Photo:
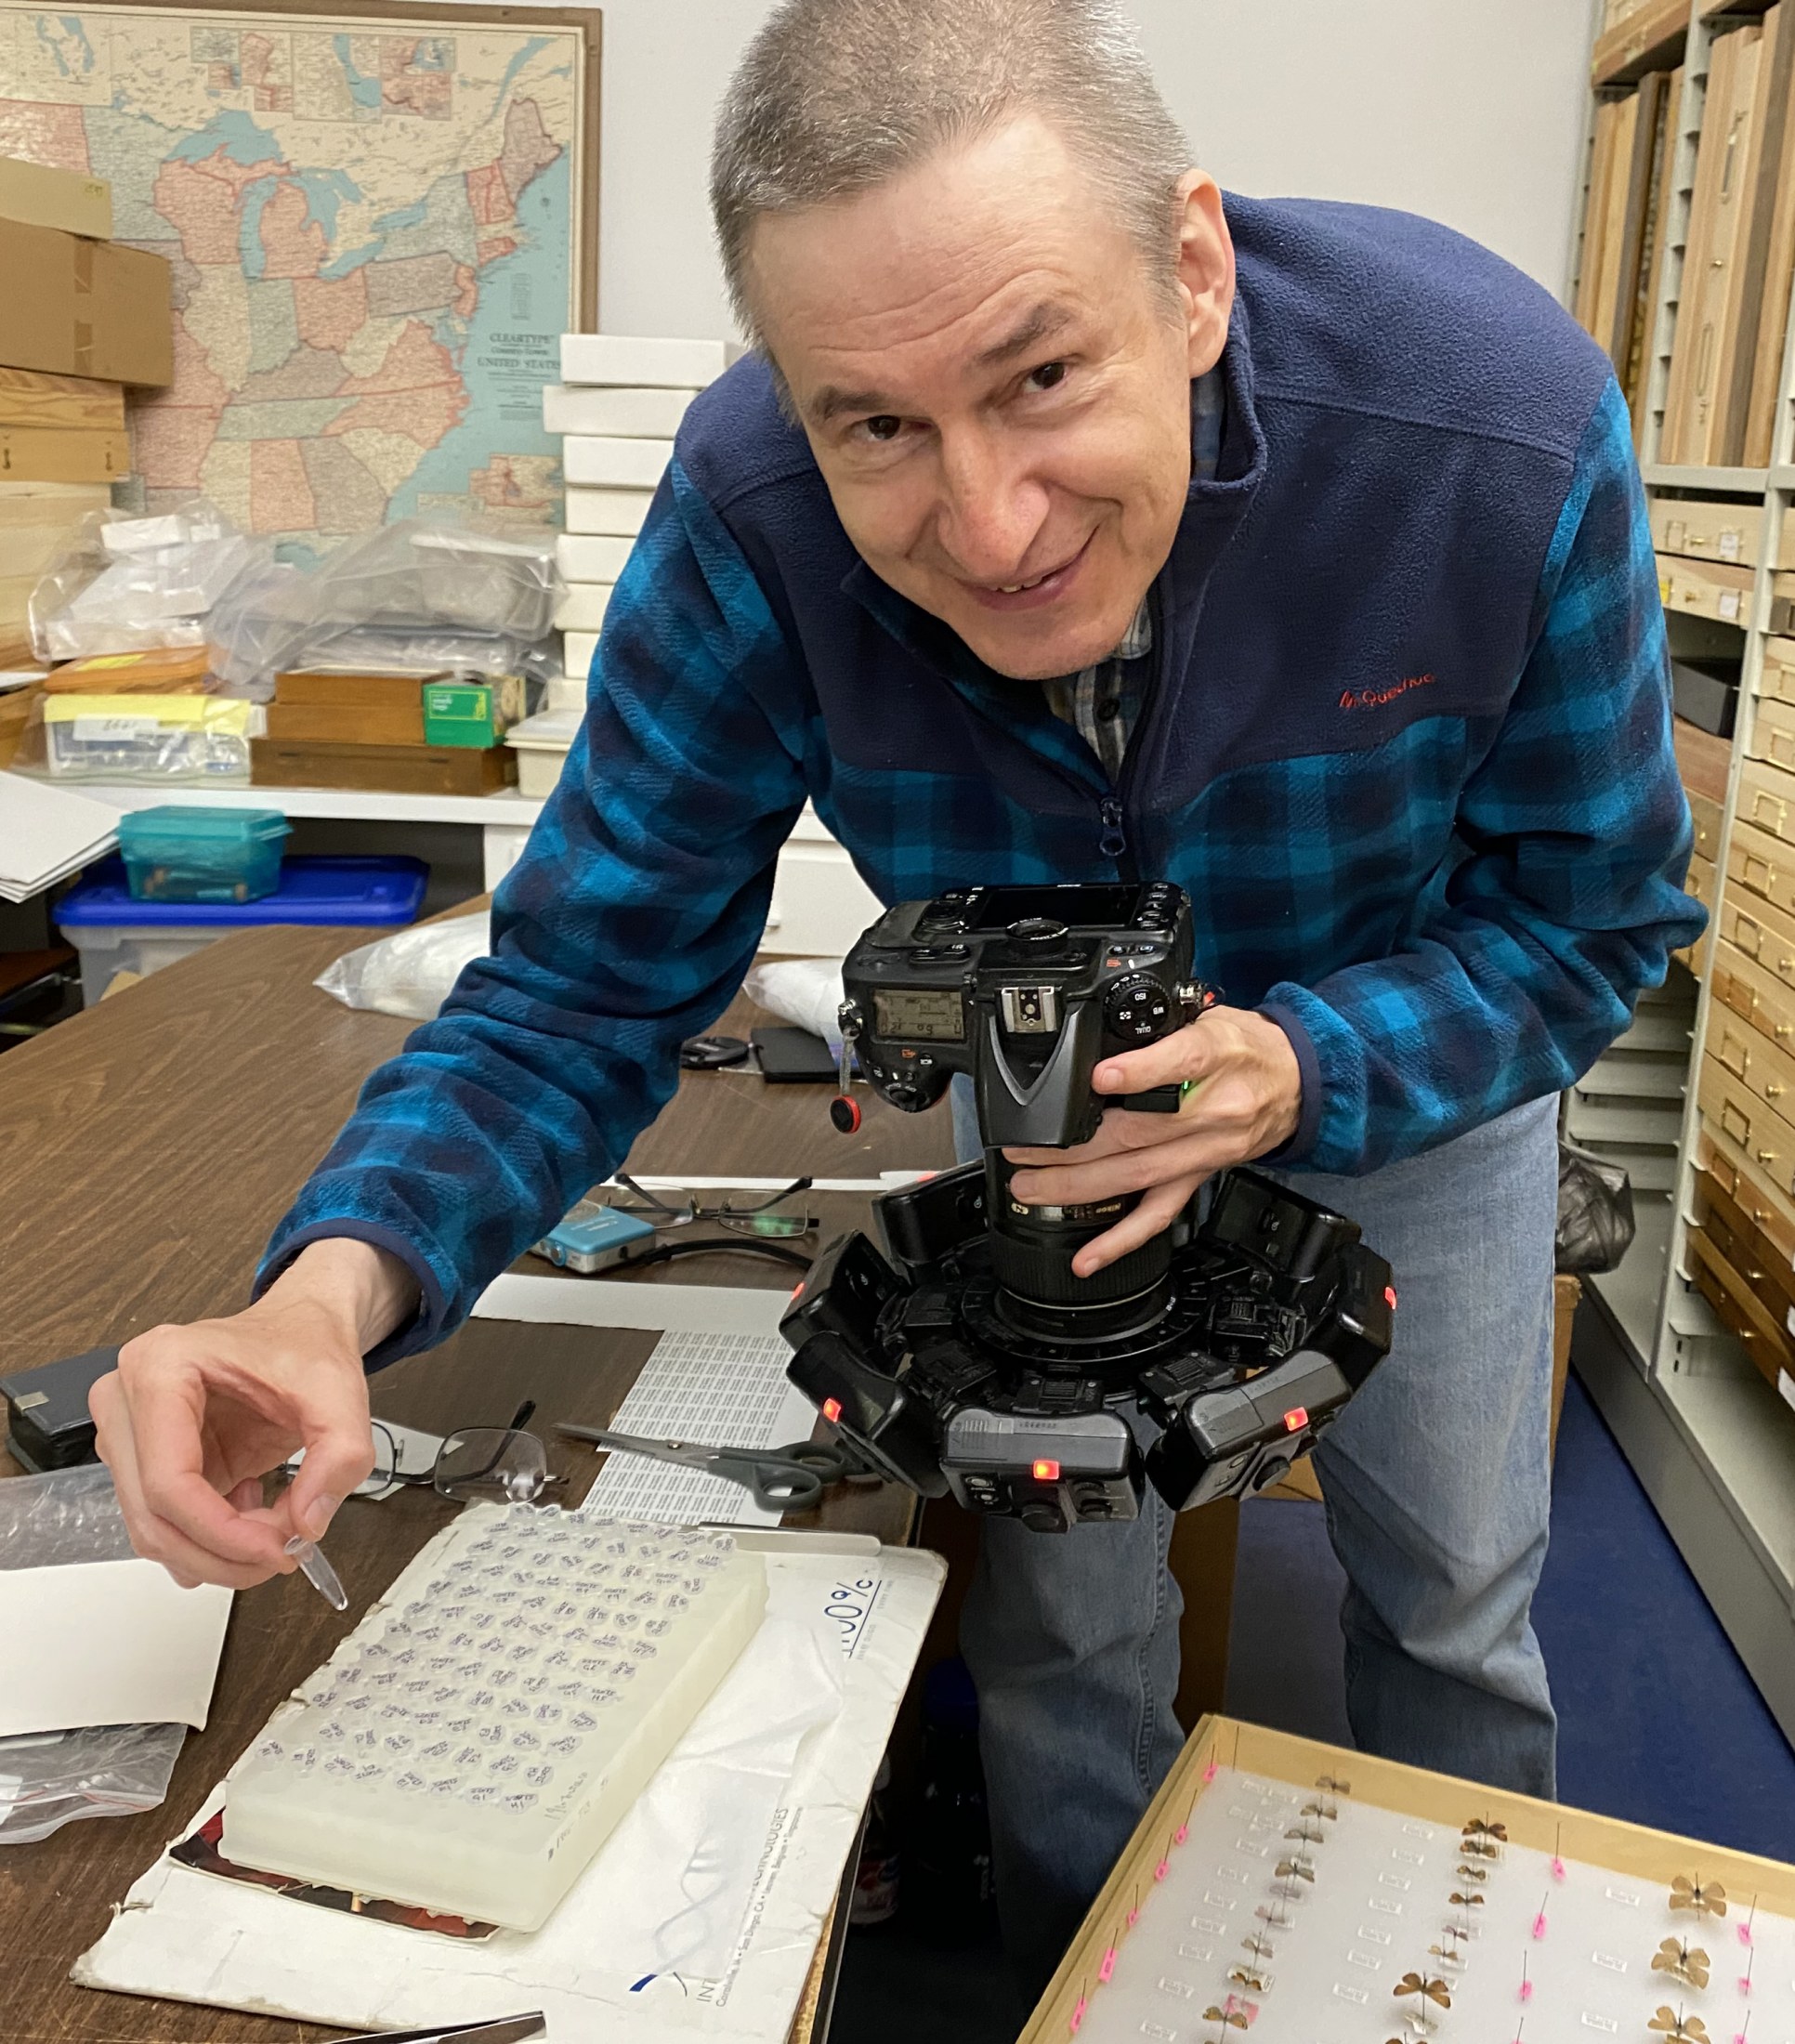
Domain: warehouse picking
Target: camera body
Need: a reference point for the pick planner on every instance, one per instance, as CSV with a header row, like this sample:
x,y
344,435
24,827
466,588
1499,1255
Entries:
x,y
961,1353
1025,989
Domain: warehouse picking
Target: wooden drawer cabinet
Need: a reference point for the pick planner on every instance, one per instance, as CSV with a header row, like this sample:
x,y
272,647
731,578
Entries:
x,y
1763,865
1755,993
1771,1213
1767,799
1767,1344
1706,814
1773,734
1765,1268
1758,1061
1743,1122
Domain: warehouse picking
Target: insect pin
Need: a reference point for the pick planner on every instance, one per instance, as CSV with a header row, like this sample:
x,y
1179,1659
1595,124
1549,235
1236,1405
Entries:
x,y
1705,1898
1684,1962
1677,2029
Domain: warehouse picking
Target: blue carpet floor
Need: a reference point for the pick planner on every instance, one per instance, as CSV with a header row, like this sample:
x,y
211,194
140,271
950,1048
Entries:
x,y
1658,1722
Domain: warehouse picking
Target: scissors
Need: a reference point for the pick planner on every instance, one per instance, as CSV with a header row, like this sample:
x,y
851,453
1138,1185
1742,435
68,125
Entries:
x,y
779,1480
511,2030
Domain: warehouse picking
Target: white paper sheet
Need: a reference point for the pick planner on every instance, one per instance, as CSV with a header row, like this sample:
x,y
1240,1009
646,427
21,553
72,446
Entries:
x,y
120,1642
725,1389
47,833
191,1936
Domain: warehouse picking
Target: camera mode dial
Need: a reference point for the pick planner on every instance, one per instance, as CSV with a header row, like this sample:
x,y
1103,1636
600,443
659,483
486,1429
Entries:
x,y
1138,1009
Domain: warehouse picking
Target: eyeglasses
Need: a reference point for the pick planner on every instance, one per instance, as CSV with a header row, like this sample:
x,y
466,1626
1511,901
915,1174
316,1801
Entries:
x,y
477,1465
755,1219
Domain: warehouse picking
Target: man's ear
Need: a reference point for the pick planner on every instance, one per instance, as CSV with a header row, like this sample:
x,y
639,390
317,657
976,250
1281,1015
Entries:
x,y
1205,269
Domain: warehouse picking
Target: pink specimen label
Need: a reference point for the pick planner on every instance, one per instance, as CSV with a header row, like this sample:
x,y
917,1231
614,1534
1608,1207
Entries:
x,y
1107,1970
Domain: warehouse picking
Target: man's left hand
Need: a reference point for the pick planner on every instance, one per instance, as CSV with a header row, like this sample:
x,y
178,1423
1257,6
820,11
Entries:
x,y
1245,1098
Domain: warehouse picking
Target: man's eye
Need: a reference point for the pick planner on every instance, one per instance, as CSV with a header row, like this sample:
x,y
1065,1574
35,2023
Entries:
x,y
886,426
1047,376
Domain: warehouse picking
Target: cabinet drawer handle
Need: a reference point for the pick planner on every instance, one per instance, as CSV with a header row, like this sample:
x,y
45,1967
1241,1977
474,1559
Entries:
x,y
1735,1123
1772,1091
1769,810
1747,935
1758,873
1733,1054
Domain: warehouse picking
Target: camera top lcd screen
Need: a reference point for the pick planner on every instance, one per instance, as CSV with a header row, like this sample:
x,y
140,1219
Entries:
x,y
920,1013
1103,908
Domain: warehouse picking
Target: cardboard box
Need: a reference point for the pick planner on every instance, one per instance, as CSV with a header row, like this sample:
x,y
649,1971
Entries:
x,y
35,195
79,307
628,359
62,404
590,460
348,690
635,413
342,724
622,513
583,607
471,712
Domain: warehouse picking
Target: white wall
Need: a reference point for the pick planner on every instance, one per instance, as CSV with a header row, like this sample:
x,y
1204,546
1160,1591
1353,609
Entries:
x,y
1471,110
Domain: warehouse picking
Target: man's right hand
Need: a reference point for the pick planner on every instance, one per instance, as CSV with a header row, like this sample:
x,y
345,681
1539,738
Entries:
x,y
195,1417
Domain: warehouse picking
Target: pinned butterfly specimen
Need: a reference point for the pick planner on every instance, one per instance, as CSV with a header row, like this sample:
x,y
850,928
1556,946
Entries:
x,y
1300,1869
1332,1785
1328,1811
1255,1977
1706,1898
1467,1902
1469,1872
1448,1955
1260,1948
1234,2014
1677,2029
1435,1991
1684,1962
1483,1827
1310,1834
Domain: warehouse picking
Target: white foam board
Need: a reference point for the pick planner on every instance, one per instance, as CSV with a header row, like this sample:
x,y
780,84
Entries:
x,y
582,607
591,557
577,648
636,412
614,464
618,512
625,359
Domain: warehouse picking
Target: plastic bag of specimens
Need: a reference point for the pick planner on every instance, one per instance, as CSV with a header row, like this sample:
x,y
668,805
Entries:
x,y
469,1747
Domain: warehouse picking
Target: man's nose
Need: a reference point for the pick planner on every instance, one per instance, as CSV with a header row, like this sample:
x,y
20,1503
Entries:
x,y
991,508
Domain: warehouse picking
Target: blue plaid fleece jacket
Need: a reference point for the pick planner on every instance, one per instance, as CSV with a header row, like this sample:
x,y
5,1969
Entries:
x,y
1406,744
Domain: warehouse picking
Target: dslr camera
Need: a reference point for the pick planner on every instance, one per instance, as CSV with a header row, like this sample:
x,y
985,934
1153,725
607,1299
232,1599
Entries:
x,y
960,1353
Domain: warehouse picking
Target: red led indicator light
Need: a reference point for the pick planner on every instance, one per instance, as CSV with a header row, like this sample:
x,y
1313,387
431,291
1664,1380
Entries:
x,y
1390,1297
832,1409
1046,1472
1296,1419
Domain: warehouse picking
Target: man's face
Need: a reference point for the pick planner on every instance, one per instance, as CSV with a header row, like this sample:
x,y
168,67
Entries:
x,y
997,392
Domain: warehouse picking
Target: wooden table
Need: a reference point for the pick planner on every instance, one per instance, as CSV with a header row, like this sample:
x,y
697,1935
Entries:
x,y
148,1148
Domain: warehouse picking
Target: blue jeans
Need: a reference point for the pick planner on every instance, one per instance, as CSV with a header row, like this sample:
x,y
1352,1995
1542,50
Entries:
x,y
1438,1489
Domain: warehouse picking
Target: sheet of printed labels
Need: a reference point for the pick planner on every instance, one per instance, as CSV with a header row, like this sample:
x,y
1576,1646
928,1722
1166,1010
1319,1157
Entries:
x,y
1299,1913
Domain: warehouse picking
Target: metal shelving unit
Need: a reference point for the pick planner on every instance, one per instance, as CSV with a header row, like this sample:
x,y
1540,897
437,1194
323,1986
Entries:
x,y
1709,1436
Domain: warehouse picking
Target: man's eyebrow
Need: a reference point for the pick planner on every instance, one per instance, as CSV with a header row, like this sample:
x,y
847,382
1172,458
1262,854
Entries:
x,y
1046,319
1041,325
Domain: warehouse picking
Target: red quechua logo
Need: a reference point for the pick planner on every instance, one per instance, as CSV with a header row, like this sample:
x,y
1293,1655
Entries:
x,y
1373,699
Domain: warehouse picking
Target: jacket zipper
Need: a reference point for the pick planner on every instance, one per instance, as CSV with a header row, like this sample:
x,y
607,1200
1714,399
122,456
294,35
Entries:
x,y
1113,843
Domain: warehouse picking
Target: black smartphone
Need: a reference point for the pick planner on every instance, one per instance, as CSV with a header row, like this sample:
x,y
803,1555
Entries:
x,y
793,1058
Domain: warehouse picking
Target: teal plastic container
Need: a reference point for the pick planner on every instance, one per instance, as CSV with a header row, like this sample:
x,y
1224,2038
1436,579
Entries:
x,y
177,854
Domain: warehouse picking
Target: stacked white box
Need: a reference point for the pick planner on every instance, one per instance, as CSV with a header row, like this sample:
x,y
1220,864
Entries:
x,y
617,408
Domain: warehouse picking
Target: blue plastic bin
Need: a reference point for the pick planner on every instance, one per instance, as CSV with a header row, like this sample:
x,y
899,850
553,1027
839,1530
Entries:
x,y
115,932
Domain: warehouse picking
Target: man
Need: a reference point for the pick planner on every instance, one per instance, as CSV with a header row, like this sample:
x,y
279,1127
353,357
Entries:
x,y
1072,524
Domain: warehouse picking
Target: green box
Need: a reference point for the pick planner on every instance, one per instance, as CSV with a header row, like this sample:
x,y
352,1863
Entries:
x,y
476,714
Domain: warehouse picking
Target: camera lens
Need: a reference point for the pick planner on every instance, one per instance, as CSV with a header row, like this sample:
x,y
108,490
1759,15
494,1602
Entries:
x,y
1032,1250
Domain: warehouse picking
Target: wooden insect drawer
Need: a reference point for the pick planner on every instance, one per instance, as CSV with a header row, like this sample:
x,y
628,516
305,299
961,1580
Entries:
x,y
1755,995
1765,1269
1772,736
1758,866
1303,1894
1772,1212
1757,1061
1738,1119
1738,1308
1767,799
1705,813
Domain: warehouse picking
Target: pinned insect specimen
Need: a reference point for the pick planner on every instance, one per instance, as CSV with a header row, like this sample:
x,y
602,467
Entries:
x,y
1435,1991
1686,1962
1309,1833
1259,1948
1334,1786
1469,1872
1328,1811
1255,1977
1233,2014
1300,1869
1484,1828
1677,2029
1450,1953
1705,1898
1275,1913
1467,1902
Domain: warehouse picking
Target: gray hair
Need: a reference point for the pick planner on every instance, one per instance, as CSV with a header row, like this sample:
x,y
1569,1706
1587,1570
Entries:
x,y
836,96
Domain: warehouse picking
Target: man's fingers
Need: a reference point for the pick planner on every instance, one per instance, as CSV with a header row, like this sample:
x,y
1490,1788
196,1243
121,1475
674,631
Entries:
x,y
339,1451
154,1538
1156,1210
1194,1154
1188,1052
164,1418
